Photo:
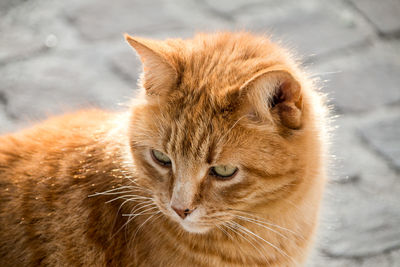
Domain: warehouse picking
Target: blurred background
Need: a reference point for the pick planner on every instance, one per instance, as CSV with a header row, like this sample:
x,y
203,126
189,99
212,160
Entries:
x,y
58,56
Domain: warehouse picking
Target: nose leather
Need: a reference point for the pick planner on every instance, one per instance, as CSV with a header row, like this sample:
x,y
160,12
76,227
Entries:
x,y
183,213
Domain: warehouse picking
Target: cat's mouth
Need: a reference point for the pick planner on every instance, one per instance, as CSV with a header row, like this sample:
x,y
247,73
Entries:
x,y
192,223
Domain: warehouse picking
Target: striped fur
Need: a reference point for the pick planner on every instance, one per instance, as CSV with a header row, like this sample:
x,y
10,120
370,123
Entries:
x,y
83,189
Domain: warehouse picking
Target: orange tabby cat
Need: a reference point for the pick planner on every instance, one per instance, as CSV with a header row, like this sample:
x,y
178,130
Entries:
x,y
219,162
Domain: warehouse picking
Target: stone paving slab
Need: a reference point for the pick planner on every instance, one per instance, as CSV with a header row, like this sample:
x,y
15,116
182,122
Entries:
x,y
363,79
52,84
312,27
6,122
384,137
14,44
34,28
126,64
364,213
123,16
383,14
150,18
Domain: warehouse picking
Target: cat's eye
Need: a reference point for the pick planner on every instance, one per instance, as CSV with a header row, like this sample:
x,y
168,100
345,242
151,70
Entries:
x,y
160,158
223,171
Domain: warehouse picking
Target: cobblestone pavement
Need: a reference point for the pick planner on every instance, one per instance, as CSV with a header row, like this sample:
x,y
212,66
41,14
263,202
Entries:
x,y
57,56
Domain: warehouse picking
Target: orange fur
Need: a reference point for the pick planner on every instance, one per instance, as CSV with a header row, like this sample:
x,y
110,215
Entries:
x,y
225,98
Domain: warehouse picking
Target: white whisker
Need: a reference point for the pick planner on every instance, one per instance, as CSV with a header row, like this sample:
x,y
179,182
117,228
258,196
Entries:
x,y
123,203
244,237
267,242
225,232
129,220
140,213
130,198
258,223
137,230
113,193
144,206
230,129
262,221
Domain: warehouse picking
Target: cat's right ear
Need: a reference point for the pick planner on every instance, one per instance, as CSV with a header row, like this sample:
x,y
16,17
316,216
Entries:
x,y
158,76
275,94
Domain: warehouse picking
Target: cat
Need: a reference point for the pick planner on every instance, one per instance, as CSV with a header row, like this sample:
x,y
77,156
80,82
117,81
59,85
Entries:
x,y
220,161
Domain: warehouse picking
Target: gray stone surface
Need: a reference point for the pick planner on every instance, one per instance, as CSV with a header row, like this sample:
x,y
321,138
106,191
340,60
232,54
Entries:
x,y
365,212
18,42
395,256
312,27
384,136
228,7
361,81
367,87
126,64
6,123
150,18
34,28
52,84
383,14
368,223
57,56
122,16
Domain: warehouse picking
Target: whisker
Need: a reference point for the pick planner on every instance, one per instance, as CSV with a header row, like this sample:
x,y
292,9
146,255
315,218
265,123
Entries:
x,y
267,242
140,213
221,227
224,231
127,222
137,230
130,198
113,193
144,206
262,221
134,212
115,189
244,237
325,73
123,203
233,126
137,184
257,223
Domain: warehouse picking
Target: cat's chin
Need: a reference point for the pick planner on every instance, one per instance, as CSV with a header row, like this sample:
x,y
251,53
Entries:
x,y
193,228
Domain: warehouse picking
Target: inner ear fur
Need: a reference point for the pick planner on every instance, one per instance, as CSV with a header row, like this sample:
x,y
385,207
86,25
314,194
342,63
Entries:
x,y
158,76
275,94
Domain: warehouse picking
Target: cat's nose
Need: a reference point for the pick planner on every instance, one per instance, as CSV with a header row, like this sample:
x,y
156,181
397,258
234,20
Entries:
x,y
183,213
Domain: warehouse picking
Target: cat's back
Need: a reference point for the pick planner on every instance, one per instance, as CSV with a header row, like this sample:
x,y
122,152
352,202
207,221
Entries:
x,y
47,141
48,135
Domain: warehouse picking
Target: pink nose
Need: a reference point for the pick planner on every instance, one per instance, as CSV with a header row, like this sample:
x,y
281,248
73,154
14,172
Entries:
x,y
183,213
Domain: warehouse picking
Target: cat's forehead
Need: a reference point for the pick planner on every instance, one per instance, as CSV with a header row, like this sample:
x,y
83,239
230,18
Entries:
x,y
221,61
199,108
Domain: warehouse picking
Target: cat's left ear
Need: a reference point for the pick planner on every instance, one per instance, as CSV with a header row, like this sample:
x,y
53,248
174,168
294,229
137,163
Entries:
x,y
159,76
275,93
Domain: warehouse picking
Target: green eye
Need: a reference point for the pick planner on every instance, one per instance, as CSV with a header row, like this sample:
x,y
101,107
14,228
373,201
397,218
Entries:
x,y
160,158
223,171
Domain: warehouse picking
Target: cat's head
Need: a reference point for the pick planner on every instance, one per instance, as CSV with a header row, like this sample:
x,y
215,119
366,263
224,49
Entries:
x,y
221,128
